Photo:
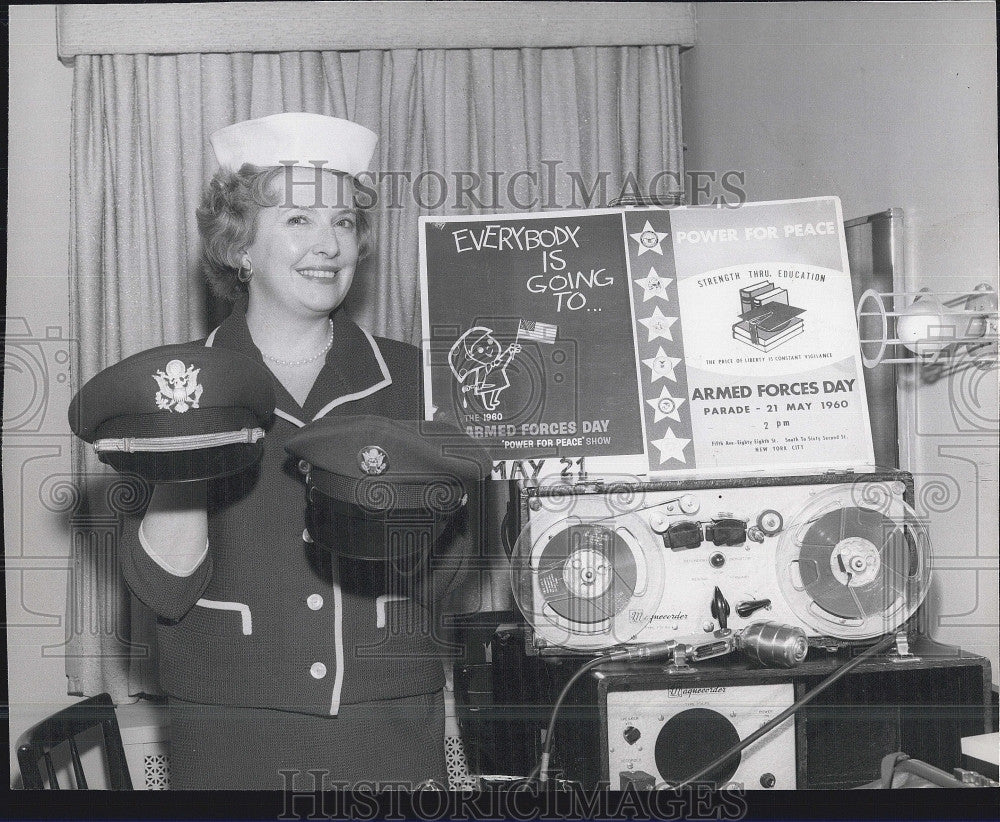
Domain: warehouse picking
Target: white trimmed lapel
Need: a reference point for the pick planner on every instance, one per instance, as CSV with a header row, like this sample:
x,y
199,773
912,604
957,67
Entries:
x,y
376,386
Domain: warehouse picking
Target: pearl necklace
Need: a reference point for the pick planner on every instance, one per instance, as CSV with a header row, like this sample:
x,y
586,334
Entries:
x,y
322,353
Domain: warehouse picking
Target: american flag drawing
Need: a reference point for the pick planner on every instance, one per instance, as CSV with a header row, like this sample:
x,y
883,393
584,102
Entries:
x,y
539,332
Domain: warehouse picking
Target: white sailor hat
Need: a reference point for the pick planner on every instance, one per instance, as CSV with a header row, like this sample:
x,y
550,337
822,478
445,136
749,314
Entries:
x,y
297,137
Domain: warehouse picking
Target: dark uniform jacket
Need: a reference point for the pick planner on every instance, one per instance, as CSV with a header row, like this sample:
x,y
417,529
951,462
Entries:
x,y
269,619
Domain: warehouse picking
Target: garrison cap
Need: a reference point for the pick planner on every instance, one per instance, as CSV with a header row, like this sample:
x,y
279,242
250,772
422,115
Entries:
x,y
176,413
370,478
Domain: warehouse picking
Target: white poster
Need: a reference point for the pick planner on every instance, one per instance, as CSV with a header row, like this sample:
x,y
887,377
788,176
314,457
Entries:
x,y
745,324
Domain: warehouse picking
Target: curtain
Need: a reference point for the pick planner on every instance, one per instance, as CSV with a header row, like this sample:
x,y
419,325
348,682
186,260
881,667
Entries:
x,y
523,120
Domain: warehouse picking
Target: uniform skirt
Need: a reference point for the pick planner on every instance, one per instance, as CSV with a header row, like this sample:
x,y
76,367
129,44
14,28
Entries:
x,y
394,743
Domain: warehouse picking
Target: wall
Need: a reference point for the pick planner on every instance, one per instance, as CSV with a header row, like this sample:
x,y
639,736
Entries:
x,y
36,394
883,105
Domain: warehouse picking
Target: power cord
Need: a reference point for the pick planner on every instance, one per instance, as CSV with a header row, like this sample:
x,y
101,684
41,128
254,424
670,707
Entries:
x,y
505,540
645,652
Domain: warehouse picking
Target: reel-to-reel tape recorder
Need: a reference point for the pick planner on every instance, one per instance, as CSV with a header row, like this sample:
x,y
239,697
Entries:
x,y
604,567
840,555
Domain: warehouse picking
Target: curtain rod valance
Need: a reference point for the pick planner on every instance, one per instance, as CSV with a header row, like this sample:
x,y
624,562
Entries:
x,y
169,28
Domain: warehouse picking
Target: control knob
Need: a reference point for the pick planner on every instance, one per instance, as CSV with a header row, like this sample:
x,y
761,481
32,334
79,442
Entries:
x,y
770,522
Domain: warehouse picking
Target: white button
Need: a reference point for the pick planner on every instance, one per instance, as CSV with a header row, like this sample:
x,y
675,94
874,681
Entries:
x,y
315,602
318,670
305,536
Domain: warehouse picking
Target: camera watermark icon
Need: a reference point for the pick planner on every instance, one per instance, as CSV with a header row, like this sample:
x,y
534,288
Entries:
x,y
35,366
500,387
954,400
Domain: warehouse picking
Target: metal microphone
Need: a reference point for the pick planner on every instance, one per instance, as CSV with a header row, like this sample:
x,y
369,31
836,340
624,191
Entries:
x,y
773,644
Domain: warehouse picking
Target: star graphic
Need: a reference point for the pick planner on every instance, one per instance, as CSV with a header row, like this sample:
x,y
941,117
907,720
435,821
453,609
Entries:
x,y
654,285
671,447
648,240
665,406
658,325
661,366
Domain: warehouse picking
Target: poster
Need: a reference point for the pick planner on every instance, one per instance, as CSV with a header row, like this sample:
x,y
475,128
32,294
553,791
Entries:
x,y
746,330
528,342
692,340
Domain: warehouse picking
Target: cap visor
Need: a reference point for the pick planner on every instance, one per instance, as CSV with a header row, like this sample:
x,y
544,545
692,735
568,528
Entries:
x,y
371,537
187,466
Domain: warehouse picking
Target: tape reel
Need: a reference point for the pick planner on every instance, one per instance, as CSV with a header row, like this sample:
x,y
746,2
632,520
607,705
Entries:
x,y
853,564
587,578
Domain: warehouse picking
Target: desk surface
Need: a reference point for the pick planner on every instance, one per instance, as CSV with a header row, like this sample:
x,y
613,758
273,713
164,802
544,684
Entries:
x,y
985,747
924,653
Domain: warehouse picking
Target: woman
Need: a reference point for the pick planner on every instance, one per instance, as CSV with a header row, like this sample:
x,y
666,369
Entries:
x,y
274,655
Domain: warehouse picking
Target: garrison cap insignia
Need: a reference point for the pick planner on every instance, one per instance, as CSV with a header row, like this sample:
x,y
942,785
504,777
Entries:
x,y
373,460
179,388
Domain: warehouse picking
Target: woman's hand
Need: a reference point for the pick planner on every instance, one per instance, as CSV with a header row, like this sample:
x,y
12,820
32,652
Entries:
x,y
174,531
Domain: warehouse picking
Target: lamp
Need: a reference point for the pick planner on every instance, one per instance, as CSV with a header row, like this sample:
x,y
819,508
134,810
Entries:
x,y
930,328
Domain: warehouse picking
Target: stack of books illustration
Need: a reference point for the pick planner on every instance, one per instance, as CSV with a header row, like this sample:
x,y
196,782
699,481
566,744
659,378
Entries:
x,y
766,319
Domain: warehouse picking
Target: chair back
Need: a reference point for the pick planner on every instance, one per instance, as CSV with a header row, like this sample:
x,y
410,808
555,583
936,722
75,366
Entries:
x,y
35,745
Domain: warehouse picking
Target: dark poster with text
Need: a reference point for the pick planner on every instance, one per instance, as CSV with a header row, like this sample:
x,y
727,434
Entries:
x,y
528,342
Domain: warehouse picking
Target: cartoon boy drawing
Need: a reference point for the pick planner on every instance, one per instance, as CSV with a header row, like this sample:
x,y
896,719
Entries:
x,y
479,362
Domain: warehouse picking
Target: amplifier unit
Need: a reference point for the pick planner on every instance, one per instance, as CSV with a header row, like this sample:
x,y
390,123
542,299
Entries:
x,y
663,735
